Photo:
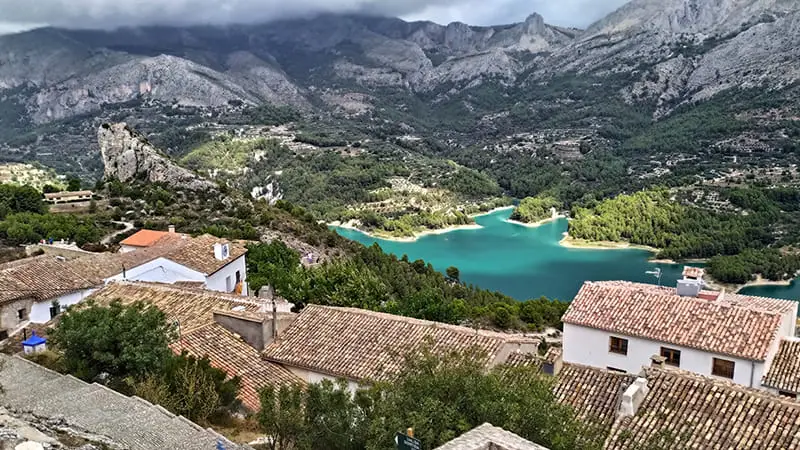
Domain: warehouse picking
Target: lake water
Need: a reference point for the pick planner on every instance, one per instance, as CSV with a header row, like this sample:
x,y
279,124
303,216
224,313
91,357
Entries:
x,y
791,292
523,262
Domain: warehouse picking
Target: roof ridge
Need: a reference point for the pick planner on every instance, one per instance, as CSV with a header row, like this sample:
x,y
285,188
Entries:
x,y
667,292
728,384
422,322
171,288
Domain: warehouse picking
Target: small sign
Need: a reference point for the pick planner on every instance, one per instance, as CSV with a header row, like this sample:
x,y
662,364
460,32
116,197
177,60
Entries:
x,y
404,442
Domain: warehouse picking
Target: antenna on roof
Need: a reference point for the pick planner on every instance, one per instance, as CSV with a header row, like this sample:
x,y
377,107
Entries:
x,y
656,273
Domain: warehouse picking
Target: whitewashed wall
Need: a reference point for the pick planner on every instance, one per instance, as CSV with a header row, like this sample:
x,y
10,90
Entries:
x,y
589,346
218,281
315,377
160,270
40,312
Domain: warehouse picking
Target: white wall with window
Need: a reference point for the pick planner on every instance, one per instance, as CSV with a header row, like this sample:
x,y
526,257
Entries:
x,y
606,350
41,311
225,279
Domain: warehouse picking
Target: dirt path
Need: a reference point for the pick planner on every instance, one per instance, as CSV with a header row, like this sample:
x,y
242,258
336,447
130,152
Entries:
x,y
128,227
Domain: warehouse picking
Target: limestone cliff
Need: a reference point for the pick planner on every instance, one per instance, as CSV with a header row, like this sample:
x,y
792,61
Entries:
x,y
128,156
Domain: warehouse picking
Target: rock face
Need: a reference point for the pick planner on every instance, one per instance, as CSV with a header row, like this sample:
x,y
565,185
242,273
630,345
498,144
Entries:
x,y
128,156
674,51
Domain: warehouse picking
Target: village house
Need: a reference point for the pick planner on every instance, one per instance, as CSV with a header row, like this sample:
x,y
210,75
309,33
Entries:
x,y
362,346
218,264
57,198
783,375
622,326
38,288
228,329
658,406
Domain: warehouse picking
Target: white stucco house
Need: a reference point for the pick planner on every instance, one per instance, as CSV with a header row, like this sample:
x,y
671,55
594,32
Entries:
x,y
216,264
625,326
39,288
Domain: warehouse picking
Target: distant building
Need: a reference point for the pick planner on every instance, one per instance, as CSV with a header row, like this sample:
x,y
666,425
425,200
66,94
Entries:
x,y
623,326
57,198
362,346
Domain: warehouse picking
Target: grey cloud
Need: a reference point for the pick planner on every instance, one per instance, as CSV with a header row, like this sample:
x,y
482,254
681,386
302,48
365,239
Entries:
x,y
112,13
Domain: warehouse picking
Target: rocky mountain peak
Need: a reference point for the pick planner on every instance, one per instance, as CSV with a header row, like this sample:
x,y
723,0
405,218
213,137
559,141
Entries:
x,y
128,156
534,24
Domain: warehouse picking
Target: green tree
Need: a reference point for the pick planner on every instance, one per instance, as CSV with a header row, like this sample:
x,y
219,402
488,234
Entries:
x,y
453,274
118,340
445,395
272,264
440,395
16,199
74,184
190,387
282,417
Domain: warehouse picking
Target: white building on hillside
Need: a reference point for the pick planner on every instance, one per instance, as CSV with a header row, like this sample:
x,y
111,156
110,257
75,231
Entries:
x,y
37,289
624,326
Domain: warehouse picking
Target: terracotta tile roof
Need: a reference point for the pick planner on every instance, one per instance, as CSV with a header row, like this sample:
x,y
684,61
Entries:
x,y
689,411
593,393
488,437
102,266
784,371
693,272
198,253
144,238
40,278
194,253
745,330
190,307
364,345
230,353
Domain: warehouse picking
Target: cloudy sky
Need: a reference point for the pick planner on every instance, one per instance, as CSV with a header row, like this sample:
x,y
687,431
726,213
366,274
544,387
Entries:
x,y
18,14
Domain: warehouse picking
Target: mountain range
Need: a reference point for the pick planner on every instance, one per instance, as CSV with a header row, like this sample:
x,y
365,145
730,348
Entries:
x,y
654,55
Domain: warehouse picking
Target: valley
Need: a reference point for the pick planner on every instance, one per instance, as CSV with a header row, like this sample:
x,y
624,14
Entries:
x,y
406,128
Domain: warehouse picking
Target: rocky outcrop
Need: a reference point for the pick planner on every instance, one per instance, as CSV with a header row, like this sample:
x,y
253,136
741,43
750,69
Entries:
x,y
128,156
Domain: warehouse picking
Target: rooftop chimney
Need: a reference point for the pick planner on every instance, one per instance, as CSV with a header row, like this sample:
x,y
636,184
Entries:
x,y
221,251
658,361
553,361
632,398
171,229
689,287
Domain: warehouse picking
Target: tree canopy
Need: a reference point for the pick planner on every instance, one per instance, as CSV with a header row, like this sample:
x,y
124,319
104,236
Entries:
x,y
441,396
118,340
371,279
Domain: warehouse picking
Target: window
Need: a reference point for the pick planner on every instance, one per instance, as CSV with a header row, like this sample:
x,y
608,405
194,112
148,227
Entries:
x,y
22,314
673,357
722,368
618,345
238,276
228,284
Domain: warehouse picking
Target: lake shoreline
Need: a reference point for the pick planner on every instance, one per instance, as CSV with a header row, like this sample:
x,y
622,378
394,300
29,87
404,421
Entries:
x,y
736,288
354,225
536,224
583,244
